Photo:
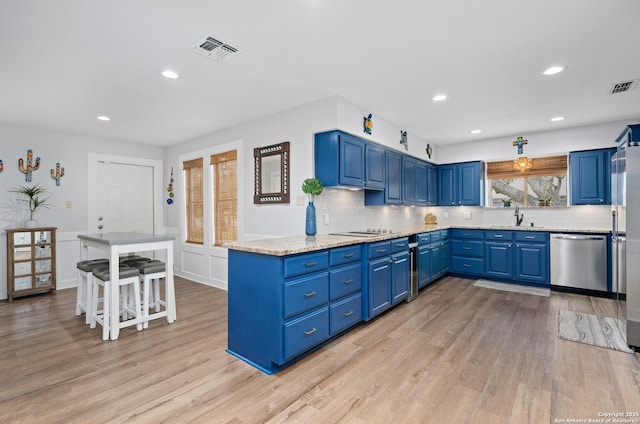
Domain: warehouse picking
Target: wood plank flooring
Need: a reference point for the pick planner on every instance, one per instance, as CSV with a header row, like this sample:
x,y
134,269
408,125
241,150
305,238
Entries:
x,y
456,354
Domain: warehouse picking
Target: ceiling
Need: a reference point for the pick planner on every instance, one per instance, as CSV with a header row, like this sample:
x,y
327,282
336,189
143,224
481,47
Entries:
x,y
64,62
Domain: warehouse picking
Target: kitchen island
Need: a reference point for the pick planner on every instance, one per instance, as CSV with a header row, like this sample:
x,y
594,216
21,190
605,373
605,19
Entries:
x,y
289,296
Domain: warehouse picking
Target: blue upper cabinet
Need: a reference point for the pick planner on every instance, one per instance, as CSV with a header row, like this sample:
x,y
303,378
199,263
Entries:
x,y
590,177
461,184
345,160
408,180
374,166
432,184
422,185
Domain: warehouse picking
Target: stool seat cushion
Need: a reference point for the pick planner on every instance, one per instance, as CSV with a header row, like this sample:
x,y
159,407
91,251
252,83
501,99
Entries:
x,y
151,267
90,264
132,258
125,272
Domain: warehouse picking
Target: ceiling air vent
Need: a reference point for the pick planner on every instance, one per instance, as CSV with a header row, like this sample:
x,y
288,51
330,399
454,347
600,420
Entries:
x,y
623,87
215,49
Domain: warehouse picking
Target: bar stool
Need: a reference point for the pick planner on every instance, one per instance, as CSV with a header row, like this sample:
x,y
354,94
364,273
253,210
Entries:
x,y
127,276
83,290
152,272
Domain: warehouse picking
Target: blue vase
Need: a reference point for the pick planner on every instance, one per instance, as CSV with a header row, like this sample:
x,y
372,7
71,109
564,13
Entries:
x,y
310,223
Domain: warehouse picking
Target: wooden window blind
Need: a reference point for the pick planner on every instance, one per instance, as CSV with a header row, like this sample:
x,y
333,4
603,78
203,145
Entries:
x,y
225,195
554,165
194,200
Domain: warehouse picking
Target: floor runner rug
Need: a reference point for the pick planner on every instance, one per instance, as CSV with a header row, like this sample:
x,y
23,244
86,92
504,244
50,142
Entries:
x,y
538,291
591,329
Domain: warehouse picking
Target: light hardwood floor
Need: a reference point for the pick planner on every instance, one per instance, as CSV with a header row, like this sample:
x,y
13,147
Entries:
x,y
457,354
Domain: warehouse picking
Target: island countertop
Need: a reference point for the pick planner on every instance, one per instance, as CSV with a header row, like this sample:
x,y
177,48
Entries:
x,y
282,246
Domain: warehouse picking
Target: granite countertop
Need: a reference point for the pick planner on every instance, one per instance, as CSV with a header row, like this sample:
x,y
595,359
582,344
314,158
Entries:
x,y
282,246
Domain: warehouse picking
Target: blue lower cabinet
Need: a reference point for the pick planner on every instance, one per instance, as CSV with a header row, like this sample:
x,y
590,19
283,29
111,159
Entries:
x,y
379,293
532,263
463,265
345,313
280,308
424,266
305,332
498,259
399,277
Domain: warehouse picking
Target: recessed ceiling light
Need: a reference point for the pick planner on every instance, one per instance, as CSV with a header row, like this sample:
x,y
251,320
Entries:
x,y
439,97
557,118
475,131
103,118
553,70
170,74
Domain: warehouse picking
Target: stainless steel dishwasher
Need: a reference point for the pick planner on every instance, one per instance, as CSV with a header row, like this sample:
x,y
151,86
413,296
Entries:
x,y
579,261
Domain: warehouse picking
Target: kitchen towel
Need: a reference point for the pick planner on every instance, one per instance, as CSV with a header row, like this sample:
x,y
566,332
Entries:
x,y
487,284
594,330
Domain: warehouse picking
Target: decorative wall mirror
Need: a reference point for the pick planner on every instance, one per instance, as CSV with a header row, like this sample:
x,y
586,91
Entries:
x,y
271,166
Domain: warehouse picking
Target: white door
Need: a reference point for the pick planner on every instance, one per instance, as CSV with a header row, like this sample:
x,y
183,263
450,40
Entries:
x,y
124,198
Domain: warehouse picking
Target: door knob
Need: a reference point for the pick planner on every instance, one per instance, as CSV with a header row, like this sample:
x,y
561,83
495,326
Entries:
x,y
100,218
100,227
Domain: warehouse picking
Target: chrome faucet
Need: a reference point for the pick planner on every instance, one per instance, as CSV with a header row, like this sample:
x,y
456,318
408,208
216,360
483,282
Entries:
x,y
519,216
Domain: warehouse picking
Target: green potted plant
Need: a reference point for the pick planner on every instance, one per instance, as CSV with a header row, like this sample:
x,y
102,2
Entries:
x,y
312,187
547,202
33,196
506,202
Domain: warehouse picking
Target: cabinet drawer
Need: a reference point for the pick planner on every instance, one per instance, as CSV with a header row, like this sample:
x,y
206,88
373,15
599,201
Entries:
x,y
435,236
467,234
345,255
344,281
345,313
303,264
467,265
498,235
305,294
537,236
424,238
468,248
305,332
444,234
378,249
400,245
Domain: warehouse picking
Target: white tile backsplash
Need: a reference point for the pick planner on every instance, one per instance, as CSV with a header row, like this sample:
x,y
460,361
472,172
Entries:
x,y
347,212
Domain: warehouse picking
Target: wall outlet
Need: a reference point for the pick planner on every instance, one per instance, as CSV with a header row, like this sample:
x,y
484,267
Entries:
x,y
326,219
67,204
445,215
467,215
300,200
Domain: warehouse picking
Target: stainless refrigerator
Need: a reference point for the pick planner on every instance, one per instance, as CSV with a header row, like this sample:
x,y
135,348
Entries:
x,y
625,236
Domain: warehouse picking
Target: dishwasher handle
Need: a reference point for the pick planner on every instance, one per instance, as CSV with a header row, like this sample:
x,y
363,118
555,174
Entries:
x,y
576,237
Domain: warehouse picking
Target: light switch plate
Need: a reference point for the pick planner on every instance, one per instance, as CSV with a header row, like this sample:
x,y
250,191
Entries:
x,y
467,215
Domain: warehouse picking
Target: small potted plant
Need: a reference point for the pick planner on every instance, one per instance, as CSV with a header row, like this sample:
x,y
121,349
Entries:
x,y
312,187
541,202
547,202
33,196
506,202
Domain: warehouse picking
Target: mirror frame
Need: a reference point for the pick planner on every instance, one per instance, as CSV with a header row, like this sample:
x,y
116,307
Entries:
x,y
281,150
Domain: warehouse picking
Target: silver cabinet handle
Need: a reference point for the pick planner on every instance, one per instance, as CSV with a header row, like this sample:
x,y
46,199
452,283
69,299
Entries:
x,y
310,294
466,248
348,255
466,265
310,332
529,237
310,264
349,281
348,314
498,236
381,250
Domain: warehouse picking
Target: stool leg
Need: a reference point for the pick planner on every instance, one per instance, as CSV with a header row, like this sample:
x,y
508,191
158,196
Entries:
x,y
145,303
88,296
93,308
80,295
136,300
106,321
156,292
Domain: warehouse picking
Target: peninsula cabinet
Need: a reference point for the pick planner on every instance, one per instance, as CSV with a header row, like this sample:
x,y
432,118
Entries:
x,y
344,160
280,308
31,261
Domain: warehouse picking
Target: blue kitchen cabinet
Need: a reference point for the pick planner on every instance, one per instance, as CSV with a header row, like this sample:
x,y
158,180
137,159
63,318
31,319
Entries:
x,y
590,177
387,280
461,184
374,165
532,257
408,180
422,183
467,252
280,308
498,260
432,185
393,187
445,253
424,264
342,159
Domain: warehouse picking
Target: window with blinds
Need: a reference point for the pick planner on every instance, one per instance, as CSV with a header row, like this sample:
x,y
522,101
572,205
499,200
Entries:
x,y
225,197
543,183
194,200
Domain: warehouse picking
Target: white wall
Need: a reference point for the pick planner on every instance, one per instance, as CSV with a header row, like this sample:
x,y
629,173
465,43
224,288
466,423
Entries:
x,y
72,152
